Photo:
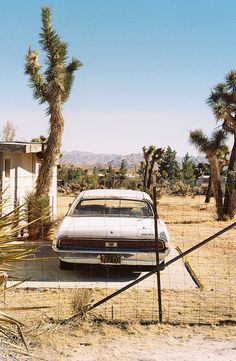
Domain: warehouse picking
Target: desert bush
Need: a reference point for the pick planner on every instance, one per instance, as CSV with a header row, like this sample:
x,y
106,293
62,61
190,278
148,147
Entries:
x,y
133,183
181,188
201,190
81,301
75,187
38,213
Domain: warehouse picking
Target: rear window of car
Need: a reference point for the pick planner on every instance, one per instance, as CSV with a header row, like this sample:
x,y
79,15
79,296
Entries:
x,y
112,208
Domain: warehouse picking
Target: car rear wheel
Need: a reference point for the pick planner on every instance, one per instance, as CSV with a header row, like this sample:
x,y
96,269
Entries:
x,y
66,265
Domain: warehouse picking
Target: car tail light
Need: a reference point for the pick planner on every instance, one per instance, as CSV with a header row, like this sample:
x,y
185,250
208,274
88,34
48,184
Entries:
x,y
115,244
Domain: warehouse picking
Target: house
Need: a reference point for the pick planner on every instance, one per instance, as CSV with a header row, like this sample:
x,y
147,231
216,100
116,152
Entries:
x,y
19,167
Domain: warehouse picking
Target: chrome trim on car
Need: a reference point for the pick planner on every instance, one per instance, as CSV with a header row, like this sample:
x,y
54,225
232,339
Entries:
x,y
129,258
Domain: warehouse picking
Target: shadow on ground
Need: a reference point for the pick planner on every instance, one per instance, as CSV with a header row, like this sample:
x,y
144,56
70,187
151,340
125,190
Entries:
x,y
43,271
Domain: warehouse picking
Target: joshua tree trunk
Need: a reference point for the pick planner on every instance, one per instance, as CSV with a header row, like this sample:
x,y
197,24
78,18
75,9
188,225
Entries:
x,y
230,193
211,146
51,153
216,186
156,156
209,191
147,153
150,173
145,179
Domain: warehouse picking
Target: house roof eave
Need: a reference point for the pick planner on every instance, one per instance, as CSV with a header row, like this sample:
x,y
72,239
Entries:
x,y
21,147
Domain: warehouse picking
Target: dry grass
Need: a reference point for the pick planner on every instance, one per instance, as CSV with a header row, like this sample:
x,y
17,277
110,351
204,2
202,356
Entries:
x,y
81,301
63,205
189,221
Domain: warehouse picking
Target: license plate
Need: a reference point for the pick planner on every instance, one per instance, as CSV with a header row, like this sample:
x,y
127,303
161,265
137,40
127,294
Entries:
x,y
110,259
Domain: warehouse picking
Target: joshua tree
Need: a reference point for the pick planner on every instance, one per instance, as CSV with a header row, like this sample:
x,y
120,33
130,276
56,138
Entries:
x,y
209,192
156,157
222,156
147,153
202,169
222,100
53,88
210,146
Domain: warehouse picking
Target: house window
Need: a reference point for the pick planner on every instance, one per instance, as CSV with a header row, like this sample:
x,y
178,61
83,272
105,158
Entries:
x,y
7,167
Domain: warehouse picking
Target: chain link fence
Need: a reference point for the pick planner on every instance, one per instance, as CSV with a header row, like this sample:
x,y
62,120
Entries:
x,y
197,289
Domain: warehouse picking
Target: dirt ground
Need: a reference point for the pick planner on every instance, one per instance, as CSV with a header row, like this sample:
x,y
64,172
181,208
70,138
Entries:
x,y
156,343
130,342
189,221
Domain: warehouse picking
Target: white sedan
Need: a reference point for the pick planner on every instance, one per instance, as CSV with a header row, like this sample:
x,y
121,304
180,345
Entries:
x,y
111,227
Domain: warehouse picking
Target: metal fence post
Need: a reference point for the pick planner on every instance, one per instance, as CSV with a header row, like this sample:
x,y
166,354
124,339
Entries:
x,y
157,254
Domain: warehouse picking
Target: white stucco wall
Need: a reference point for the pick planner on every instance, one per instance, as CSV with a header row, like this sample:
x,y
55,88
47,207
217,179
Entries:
x,y
23,175
21,179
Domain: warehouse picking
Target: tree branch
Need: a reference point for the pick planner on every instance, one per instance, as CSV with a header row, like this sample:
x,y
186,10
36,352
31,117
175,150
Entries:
x,y
32,68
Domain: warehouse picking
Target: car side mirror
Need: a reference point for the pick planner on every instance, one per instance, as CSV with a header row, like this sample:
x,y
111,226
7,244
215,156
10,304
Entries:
x,y
70,204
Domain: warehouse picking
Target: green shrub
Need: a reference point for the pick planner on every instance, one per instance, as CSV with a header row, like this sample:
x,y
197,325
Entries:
x,y
39,212
181,188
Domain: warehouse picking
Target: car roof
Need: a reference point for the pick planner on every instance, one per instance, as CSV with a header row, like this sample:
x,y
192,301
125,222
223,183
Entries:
x,y
114,193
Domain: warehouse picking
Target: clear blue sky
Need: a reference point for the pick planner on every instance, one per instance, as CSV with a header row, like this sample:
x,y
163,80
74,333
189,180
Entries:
x,y
148,68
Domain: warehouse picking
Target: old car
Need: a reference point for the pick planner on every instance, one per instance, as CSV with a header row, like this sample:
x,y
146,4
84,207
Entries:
x,y
111,227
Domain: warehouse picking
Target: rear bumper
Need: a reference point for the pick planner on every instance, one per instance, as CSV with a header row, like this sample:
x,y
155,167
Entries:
x,y
125,258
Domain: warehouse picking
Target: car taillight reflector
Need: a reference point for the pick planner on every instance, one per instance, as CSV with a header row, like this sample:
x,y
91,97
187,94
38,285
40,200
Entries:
x,y
124,244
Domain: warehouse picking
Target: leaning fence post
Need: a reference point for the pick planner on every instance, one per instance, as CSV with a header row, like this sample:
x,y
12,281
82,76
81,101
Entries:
x,y
157,254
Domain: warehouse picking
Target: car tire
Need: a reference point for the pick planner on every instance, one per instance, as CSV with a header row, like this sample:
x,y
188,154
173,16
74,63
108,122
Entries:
x,y
66,265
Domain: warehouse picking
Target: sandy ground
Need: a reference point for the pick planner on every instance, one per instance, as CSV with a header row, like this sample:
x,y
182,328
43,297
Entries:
x,y
189,221
154,348
136,343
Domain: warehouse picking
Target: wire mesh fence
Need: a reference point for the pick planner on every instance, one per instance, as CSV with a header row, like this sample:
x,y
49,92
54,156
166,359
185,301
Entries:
x,y
200,288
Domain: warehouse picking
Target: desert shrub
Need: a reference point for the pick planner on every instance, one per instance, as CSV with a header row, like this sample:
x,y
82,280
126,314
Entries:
x,y
75,187
81,301
61,190
181,188
201,190
38,211
133,183
166,186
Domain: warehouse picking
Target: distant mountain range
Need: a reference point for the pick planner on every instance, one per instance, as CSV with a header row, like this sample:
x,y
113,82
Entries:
x,y
83,159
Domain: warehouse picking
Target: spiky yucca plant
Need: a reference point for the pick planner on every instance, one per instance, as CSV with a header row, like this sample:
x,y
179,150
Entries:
x,y
12,248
